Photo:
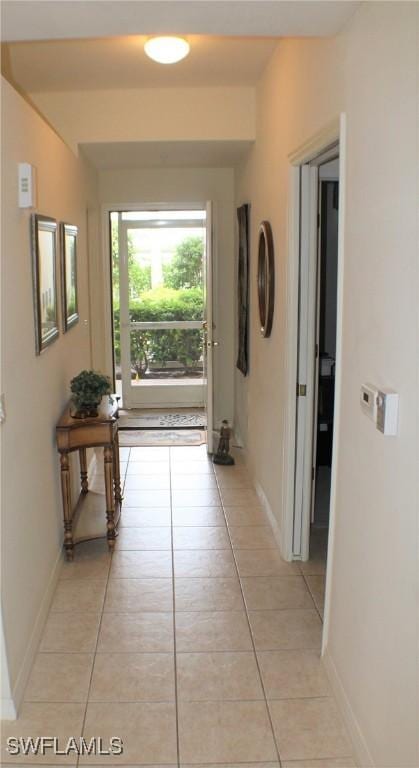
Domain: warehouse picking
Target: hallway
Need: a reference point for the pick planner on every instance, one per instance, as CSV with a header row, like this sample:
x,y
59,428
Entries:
x,y
195,643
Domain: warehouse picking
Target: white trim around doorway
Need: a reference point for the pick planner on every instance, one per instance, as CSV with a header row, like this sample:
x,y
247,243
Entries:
x,y
106,210
316,145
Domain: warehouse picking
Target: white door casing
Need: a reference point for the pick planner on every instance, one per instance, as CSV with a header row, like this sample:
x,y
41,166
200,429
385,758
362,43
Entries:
x,y
154,394
316,354
307,366
209,342
306,361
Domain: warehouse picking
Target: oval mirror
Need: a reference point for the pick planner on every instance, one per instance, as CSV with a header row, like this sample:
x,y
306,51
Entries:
x,y
266,278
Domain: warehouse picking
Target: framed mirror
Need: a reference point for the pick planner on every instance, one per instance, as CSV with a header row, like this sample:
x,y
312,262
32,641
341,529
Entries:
x,y
266,278
69,275
44,247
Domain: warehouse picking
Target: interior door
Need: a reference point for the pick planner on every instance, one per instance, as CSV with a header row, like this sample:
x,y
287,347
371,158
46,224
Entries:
x,y
306,361
317,357
150,379
208,325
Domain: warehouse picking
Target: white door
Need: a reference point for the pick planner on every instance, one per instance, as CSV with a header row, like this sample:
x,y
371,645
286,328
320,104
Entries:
x,y
316,359
307,373
306,361
154,373
209,342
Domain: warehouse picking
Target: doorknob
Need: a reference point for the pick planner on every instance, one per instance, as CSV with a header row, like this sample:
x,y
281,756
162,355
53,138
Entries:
x,y
212,344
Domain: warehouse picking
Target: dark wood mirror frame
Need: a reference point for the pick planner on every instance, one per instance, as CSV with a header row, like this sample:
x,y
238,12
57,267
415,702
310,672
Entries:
x,y
266,278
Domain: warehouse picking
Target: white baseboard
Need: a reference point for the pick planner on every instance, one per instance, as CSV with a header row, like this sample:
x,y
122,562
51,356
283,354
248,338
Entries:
x,y
32,648
8,709
272,519
361,752
237,440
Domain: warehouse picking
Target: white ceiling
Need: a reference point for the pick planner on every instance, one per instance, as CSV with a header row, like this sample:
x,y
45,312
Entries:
x,y
166,154
97,44
120,62
55,19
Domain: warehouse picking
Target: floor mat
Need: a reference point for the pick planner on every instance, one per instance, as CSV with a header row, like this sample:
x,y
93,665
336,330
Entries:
x,y
140,419
136,437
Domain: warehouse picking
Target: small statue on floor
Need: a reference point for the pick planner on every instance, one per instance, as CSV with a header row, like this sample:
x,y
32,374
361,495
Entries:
x,y
222,456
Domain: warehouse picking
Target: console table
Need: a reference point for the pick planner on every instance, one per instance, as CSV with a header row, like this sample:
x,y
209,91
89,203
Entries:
x,y
78,435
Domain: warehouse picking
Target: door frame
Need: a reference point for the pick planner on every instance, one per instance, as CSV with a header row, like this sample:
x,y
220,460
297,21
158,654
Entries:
x,y
321,192
107,209
158,394
306,405
305,153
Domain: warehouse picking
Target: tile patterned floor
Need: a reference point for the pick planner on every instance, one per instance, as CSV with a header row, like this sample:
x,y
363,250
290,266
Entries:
x,y
194,642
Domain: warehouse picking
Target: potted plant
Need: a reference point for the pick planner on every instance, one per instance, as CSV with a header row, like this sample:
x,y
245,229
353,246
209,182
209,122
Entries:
x,y
88,388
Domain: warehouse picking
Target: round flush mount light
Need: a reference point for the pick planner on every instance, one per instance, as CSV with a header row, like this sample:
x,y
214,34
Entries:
x,y
167,50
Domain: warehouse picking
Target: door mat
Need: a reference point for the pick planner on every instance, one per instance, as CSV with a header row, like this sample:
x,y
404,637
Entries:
x,y
138,419
132,438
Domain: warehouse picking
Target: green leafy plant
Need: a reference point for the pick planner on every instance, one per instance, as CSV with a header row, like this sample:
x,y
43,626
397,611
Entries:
x,y
160,346
181,297
139,275
88,388
185,269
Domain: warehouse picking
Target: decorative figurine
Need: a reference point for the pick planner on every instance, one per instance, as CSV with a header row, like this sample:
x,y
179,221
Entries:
x,y
222,456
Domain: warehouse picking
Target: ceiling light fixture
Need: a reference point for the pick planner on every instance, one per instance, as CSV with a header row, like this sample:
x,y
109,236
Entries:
x,y
167,50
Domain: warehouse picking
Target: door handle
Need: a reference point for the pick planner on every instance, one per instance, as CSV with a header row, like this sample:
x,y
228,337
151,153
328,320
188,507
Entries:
x,y
212,344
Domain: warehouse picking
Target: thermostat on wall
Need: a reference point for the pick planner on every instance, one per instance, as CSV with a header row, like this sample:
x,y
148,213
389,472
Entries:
x,y
369,401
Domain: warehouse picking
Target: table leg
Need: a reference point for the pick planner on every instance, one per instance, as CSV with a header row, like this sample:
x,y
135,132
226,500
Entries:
x,y
110,505
83,470
66,494
116,470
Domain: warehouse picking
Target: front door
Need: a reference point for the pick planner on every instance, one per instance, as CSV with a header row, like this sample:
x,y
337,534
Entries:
x,y
161,301
209,328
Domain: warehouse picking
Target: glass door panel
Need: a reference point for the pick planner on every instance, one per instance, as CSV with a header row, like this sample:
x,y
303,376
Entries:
x,y
159,309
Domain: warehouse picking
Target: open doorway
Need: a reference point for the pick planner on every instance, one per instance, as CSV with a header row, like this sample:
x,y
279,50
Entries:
x,y
317,334
161,299
325,370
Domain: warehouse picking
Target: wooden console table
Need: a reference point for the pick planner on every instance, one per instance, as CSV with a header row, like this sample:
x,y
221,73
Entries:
x,y
78,435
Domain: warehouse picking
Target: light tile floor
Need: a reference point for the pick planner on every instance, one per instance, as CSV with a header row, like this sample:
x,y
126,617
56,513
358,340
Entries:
x,y
194,642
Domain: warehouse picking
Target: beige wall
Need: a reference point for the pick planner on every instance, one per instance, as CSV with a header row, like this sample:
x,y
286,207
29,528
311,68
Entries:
x,y
150,114
35,388
370,72
192,185
299,92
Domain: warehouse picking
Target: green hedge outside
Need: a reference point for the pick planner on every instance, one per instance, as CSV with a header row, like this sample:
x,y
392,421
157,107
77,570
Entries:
x,y
158,347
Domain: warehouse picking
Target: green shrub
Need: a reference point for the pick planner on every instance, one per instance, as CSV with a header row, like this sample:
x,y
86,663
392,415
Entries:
x,y
185,270
163,304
